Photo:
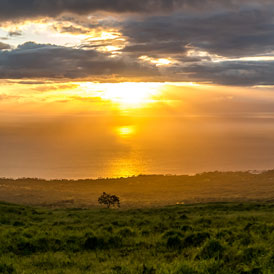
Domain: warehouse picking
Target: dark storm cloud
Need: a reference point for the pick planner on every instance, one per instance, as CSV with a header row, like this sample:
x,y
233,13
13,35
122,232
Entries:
x,y
231,73
158,29
12,9
4,46
15,33
32,60
73,30
162,48
33,8
240,33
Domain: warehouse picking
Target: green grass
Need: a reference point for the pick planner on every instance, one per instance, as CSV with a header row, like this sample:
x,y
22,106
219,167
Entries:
x,y
202,238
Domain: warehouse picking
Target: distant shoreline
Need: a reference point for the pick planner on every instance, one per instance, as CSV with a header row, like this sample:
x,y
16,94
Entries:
x,y
254,172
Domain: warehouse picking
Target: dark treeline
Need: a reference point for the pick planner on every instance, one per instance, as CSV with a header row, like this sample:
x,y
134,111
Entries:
x,y
229,175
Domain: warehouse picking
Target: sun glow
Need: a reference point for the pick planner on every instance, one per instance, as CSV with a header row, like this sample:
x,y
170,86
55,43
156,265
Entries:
x,y
157,62
126,131
130,94
122,96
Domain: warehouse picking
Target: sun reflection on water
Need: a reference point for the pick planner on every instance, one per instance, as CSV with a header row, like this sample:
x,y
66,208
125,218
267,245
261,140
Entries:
x,y
127,165
126,131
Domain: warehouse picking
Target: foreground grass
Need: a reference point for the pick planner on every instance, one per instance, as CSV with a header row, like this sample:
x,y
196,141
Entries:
x,y
209,238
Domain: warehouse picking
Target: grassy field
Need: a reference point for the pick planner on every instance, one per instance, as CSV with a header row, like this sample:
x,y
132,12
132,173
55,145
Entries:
x,y
201,238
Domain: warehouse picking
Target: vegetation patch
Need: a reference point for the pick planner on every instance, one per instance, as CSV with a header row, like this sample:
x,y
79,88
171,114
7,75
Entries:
x,y
210,238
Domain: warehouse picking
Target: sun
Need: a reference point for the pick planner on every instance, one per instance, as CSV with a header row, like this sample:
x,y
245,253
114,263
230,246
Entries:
x,y
130,94
123,96
126,131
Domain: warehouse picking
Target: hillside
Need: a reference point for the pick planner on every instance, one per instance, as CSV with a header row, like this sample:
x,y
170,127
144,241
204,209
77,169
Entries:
x,y
143,190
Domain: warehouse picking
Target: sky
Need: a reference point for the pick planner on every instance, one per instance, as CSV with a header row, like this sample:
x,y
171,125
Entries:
x,y
109,88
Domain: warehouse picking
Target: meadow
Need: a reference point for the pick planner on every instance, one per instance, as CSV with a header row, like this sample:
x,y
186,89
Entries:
x,y
190,239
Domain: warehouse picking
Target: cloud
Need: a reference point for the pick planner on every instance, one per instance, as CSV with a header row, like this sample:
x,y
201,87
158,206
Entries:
x,y
17,9
246,32
4,46
191,33
162,48
234,73
36,61
73,30
32,60
15,33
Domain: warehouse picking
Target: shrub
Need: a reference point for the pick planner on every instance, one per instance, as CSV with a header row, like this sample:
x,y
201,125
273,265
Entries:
x,y
172,233
6,269
213,249
120,270
93,243
186,228
42,244
126,232
73,243
204,221
145,233
114,242
174,242
185,269
108,228
25,248
251,253
196,239
183,217
109,200
18,223
148,270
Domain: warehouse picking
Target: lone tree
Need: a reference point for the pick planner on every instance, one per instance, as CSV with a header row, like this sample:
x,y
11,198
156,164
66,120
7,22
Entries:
x,y
109,200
